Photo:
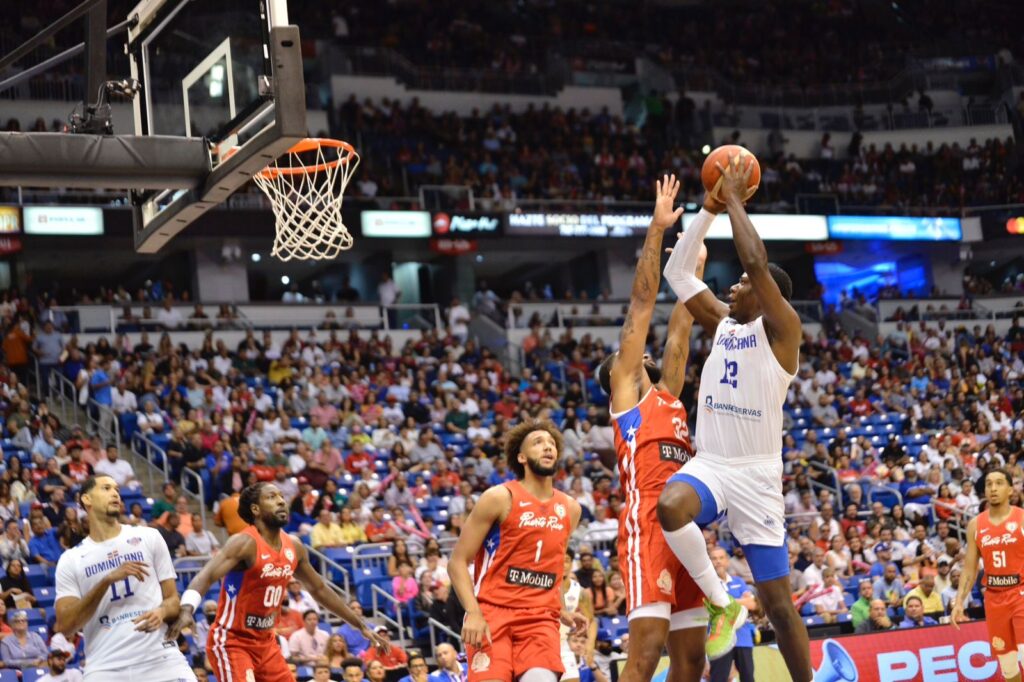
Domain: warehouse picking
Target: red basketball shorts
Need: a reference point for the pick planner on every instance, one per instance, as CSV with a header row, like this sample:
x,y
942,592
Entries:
x,y
1004,616
650,570
520,639
256,662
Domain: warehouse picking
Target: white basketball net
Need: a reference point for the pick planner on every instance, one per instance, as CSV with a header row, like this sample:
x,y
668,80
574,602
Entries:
x,y
306,189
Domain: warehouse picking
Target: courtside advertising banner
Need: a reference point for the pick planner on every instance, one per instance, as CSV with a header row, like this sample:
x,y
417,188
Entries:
x,y
933,654
65,221
894,228
770,226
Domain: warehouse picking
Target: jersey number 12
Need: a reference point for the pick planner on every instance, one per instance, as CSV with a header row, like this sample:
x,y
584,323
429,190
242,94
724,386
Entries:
x,y
125,593
731,369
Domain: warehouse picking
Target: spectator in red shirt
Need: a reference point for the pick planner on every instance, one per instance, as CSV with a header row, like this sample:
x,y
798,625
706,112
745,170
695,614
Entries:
x,y
380,529
76,469
507,406
860,405
393,660
445,481
851,520
358,459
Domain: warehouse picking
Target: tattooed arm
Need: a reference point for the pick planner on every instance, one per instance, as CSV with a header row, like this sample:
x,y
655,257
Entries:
x,y
625,372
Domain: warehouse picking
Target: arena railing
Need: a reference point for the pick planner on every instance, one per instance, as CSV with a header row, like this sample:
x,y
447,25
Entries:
x,y
961,517
381,598
35,379
188,567
110,432
877,490
270,315
199,495
435,625
155,457
325,565
597,540
836,489
63,391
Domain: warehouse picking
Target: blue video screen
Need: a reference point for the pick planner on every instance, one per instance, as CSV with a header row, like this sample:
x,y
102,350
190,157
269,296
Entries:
x,y
894,228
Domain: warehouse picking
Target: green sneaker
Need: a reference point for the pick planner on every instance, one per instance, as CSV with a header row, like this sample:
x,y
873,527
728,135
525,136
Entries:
x,y
722,627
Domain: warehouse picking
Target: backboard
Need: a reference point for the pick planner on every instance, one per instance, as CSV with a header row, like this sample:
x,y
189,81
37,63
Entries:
x,y
227,72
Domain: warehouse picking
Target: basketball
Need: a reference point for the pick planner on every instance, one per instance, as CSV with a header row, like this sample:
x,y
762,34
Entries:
x,y
710,175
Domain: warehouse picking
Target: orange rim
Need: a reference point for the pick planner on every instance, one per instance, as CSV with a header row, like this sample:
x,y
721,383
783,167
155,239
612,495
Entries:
x,y
345,154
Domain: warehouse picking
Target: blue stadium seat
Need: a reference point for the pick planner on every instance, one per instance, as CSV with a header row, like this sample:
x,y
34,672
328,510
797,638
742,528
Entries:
x,y
8,675
813,621
30,674
303,672
45,596
38,575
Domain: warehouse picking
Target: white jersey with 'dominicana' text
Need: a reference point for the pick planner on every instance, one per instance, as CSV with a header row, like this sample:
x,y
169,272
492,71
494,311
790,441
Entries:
x,y
742,391
111,640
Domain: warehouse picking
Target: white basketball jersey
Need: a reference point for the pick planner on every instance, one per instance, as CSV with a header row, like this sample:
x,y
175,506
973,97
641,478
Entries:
x,y
570,602
742,391
111,641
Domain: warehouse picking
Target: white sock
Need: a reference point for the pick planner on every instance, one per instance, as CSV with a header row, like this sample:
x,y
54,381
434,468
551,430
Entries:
x,y
692,550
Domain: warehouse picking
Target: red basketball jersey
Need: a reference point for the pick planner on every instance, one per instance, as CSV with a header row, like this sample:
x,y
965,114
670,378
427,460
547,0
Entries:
x,y
652,441
250,600
521,561
1002,549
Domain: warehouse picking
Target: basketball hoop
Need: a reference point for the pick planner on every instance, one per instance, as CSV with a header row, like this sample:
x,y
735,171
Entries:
x,y
306,188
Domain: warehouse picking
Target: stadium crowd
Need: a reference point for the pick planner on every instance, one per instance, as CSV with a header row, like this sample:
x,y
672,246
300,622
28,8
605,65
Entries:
x,y
554,154
886,439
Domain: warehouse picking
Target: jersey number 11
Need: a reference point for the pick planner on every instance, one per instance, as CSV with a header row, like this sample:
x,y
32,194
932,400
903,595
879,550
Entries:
x,y
127,592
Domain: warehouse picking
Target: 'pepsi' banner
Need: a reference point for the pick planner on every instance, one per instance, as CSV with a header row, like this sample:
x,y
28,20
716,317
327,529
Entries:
x,y
894,228
933,654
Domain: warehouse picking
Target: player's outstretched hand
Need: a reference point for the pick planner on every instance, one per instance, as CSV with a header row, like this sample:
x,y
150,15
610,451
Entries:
x,y
735,178
185,621
133,569
376,640
151,621
575,620
475,631
664,215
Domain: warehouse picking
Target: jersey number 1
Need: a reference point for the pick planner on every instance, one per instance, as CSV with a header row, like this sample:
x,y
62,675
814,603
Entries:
x,y
731,369
114,596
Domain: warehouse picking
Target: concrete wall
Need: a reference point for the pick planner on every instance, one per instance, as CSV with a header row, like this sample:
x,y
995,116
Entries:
x,y
462,103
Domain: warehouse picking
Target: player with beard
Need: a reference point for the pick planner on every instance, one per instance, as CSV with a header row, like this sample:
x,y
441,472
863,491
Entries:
x,y
256,566
652,440
118,587
516,536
